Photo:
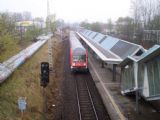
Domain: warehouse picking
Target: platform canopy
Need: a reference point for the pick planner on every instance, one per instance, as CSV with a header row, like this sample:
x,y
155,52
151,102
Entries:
x,y
114,50
145,74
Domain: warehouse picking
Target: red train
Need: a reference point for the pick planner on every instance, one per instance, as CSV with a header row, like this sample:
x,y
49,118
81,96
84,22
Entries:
x,y
78,54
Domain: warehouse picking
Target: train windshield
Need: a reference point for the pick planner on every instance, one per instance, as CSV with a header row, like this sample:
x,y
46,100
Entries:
x,y
80,58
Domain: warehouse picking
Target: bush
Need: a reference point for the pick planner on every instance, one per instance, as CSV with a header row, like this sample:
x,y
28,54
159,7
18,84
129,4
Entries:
x,y
32,33
8,47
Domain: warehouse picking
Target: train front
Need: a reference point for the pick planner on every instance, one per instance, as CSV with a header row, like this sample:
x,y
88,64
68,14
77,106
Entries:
x,y
79,59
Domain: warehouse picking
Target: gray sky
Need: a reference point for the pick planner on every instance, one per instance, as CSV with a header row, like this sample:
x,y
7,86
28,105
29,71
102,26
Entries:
x,y
71,10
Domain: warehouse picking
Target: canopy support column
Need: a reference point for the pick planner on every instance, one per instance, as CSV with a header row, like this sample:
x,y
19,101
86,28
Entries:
x,y
114,72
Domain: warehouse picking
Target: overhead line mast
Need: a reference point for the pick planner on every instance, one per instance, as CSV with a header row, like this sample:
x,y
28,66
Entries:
x,y
48,8
48,16
50,44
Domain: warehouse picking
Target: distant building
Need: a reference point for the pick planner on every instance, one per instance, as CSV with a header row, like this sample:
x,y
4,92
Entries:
x,y
151,35
25,25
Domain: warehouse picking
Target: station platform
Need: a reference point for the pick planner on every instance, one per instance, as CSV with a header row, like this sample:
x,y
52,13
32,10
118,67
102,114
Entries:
x,y
119,107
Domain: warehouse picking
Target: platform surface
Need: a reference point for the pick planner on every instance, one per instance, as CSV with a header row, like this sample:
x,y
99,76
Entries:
x,y
120,107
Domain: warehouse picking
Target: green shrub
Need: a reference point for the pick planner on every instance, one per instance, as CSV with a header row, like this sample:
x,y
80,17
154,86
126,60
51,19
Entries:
x,y
8,47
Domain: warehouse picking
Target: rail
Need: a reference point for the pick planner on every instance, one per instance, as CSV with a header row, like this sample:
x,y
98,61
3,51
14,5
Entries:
x,y
85,103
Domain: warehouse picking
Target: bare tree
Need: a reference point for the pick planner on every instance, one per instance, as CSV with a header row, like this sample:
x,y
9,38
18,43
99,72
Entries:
x,y
125,27
110,25
144,13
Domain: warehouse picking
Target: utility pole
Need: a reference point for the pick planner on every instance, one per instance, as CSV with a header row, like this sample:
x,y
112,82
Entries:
x,y
48,9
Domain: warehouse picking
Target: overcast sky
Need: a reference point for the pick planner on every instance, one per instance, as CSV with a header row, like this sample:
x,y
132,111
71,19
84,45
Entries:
x,y
71,10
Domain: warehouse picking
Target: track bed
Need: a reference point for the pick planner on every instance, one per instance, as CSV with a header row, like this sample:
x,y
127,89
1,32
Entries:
x,y
81,100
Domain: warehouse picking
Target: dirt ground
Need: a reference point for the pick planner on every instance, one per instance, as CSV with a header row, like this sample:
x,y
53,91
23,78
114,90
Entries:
x,y
52,96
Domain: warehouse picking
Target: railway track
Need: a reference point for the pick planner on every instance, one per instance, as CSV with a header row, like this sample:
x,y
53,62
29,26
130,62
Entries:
x,y
86,106
81,100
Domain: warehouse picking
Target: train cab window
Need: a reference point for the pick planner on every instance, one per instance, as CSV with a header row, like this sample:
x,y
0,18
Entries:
x,y
80,58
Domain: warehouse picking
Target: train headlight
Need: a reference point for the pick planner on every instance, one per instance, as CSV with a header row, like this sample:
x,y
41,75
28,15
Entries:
x,y
73,64
84,64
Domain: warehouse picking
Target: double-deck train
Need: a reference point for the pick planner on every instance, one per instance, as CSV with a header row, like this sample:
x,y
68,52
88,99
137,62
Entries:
x,y
78,54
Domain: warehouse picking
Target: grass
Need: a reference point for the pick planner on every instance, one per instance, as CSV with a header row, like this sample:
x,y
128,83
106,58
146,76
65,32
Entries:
x,y
24,82
10,47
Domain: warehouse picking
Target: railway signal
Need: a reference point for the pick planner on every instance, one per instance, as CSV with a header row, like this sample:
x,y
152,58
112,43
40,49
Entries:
x,y
44,74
